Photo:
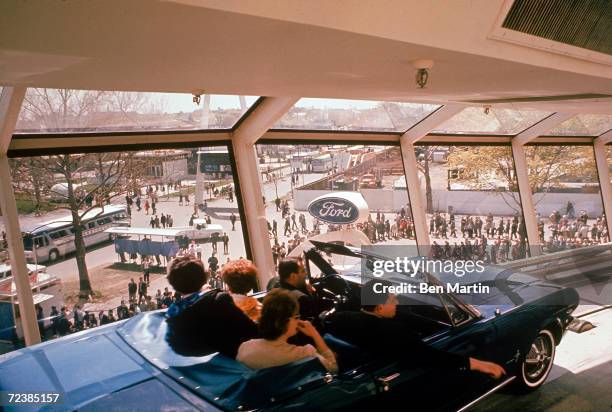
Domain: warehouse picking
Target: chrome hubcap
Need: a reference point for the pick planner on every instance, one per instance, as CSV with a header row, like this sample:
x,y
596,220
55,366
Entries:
x,y
538,358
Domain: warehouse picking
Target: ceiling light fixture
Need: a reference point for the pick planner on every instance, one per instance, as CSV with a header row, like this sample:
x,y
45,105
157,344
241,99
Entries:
x,y
197,96
422,75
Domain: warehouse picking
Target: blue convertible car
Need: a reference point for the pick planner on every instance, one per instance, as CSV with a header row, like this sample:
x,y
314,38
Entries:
x,y
129,366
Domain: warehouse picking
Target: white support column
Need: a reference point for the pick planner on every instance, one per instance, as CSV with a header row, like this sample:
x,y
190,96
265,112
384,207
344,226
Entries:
x,y
411,170
244,137
417,206
10,105
529,213
199,189
522,176
599,144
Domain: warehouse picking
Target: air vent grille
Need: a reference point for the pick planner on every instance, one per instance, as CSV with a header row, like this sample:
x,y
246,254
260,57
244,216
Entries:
x,y
581,23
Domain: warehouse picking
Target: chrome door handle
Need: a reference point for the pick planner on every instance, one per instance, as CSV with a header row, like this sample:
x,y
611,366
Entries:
x,y
385,380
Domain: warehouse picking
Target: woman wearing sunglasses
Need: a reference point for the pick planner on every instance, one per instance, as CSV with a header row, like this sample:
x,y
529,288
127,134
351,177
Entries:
x,y
279,321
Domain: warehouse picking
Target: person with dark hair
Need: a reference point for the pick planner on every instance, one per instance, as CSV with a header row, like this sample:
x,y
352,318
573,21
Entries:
x,y
280,321
375,330
63,326
240,276
40,317
233,221
111,316
142,290
123,311
132,289
93,322
202,322
292,277
213,264
103,318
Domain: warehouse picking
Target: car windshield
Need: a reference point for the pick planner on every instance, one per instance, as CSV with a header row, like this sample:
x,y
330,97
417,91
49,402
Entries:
x,y
359,267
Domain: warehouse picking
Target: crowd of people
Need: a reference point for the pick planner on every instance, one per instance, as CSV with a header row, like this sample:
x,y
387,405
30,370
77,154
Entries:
x,y
491,238
569,231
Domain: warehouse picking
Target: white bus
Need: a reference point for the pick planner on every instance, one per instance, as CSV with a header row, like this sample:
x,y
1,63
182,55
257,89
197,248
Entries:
x,y
322,163
46,292
54,239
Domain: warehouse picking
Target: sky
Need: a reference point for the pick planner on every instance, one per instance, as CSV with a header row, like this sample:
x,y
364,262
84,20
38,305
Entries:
x,y
183,102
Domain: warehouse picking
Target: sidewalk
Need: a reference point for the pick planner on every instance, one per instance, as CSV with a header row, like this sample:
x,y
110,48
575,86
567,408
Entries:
x,y
158,281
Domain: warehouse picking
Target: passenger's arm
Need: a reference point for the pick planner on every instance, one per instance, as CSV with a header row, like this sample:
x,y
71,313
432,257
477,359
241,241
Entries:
x,y
329,359
488,368
424,352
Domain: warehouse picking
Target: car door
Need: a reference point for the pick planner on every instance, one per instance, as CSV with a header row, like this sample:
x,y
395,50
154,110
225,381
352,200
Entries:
x,y
516,329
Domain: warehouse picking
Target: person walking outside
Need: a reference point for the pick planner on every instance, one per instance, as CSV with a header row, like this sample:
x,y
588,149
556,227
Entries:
x,y
233,220
132,289
146,269
225,239
142,290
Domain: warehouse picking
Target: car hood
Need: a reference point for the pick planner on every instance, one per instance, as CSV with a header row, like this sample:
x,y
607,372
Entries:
x,y
507,288
84,366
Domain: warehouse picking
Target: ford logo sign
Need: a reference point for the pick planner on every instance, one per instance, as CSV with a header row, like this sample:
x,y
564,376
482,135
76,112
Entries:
x,y
334,210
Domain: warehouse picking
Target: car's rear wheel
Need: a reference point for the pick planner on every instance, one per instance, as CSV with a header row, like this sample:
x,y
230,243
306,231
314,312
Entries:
x,y
537,363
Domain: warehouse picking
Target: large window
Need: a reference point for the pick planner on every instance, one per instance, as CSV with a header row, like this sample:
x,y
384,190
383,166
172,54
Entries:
x,y
472,201
566,195
583,125
475,120
147,198
355,115
73,111
371,178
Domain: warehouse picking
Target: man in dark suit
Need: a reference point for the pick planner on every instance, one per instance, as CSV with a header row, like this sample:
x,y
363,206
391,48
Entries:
x,y
203,322
375,330
292,277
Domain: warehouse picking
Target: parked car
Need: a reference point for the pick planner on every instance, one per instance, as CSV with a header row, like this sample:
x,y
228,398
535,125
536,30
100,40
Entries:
x,y
129,365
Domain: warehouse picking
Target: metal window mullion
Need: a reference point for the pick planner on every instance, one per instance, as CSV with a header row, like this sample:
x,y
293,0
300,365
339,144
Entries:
x,y
527,203
603,171
10,105
251,129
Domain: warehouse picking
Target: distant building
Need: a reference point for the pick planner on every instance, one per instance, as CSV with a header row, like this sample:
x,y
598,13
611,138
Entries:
x,y
214,163
165,165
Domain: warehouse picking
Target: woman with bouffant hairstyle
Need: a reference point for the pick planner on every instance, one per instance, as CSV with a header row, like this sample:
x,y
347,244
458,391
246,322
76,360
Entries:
x,y
203,321
279,321
240,276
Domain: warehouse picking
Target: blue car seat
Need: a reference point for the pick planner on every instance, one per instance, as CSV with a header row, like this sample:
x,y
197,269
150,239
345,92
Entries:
x,y
216,377
348,355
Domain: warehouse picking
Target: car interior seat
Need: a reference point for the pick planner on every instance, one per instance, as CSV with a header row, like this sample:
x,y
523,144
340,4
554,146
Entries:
x,y
348,355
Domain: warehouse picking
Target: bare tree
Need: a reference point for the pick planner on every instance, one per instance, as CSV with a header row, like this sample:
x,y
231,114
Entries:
x,y
33,186
492,168
109,173
424,159
80,197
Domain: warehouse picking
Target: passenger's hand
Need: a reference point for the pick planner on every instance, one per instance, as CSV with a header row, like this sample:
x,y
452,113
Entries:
x,y
307,329
488,368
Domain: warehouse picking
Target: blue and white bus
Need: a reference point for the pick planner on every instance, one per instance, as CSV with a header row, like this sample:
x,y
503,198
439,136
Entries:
x,y
322,163
54,239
